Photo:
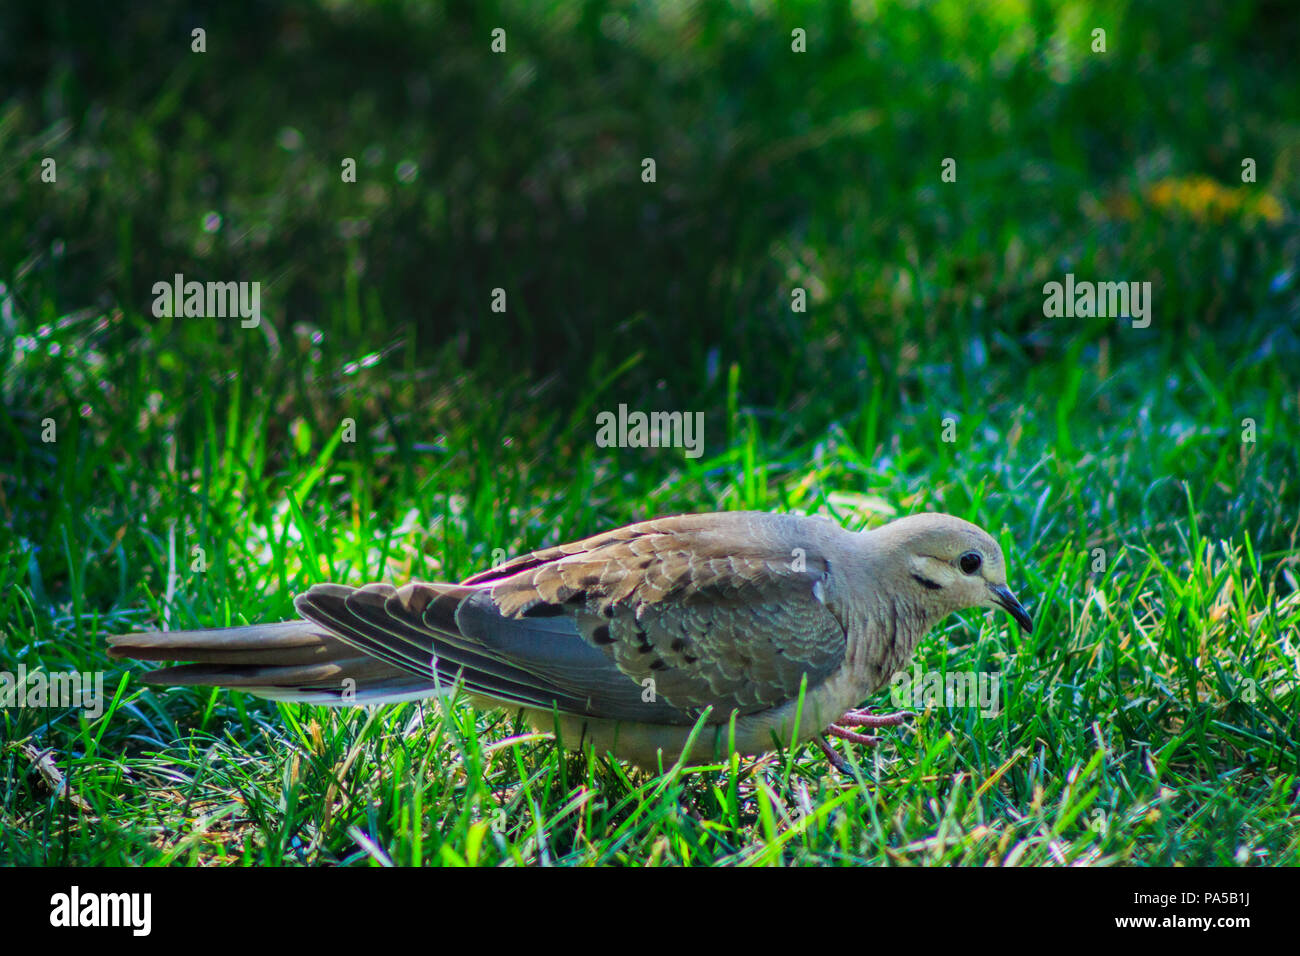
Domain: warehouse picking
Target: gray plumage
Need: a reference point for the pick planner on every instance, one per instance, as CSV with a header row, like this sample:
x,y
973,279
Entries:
x,y
625,639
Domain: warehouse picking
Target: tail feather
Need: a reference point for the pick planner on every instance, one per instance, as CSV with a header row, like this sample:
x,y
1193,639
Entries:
x,y
161,645
294,660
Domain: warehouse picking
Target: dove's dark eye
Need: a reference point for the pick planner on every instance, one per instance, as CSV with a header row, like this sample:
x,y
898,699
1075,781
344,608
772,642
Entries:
x,y
969,562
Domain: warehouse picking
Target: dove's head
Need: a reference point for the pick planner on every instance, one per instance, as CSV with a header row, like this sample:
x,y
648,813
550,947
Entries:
x,y
950,564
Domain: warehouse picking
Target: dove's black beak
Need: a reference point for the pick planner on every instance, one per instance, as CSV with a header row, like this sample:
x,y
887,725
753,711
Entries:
x,y
1002,595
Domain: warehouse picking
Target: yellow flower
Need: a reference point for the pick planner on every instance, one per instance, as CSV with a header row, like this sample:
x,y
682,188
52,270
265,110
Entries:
x,y
1202,199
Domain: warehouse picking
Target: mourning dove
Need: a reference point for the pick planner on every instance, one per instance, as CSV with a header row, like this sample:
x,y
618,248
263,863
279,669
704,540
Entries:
x,y
626,639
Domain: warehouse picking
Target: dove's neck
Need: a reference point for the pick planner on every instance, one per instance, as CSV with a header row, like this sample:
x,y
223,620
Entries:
x,y
892,627
885,622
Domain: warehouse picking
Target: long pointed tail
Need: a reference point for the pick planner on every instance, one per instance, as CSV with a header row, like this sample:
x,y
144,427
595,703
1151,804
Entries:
x,y
295,660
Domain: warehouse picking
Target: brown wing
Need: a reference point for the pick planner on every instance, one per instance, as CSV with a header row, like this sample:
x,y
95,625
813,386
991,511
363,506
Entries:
x,y
720,609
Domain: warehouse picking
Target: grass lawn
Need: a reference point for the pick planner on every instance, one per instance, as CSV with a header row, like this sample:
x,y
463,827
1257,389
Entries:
x,y
384,423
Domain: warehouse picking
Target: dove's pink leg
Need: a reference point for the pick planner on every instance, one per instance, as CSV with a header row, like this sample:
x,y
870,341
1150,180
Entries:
x,y
835,759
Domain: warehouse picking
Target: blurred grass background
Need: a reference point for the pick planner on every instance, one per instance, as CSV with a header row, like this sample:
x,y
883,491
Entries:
x,y
475,430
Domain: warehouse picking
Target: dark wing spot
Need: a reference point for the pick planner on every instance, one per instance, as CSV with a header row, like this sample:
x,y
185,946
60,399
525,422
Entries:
x,y
601,635
544,610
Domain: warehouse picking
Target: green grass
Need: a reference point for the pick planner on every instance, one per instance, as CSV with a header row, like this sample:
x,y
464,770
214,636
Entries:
x,y
1153,717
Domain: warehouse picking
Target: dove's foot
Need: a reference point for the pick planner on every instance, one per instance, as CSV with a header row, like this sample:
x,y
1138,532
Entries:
x,y
865,718
836,761
857,718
